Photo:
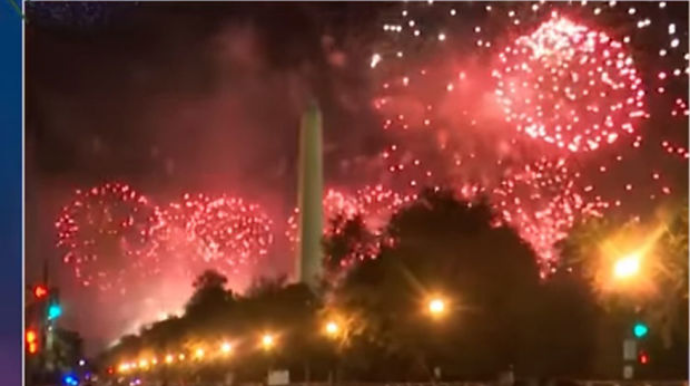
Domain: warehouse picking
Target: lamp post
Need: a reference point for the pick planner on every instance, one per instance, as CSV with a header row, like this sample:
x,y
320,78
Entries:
x,y
267,343
333,331
436,309
625,270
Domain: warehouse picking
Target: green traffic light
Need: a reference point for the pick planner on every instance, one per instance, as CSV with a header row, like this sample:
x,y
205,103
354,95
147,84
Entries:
x,y
640,330
54,311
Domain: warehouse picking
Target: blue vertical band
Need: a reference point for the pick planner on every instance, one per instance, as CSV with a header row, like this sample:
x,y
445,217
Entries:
x,y
11,100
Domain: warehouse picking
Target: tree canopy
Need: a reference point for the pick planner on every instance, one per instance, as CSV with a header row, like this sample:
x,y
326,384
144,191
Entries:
x,y
498,312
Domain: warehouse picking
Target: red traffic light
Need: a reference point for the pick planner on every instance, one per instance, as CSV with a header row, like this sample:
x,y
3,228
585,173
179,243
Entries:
x,y
644,358
40,291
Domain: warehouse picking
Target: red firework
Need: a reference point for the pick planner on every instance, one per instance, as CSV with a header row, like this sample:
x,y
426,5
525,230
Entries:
x,y
570,86
336,205
225,233
104,234
542,201
374,205
378,204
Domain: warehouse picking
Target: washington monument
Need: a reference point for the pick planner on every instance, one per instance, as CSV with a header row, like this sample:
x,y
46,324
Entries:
x,y
310,196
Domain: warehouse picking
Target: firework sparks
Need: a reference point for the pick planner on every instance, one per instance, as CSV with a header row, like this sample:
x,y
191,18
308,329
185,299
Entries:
x,y
542,202
570,86
105,234
562,76
225,233
374,205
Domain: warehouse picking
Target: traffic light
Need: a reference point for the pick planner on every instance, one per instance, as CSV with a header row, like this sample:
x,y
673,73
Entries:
x,y
31,341
70,380
54,307
54,311
643,358
640,330
40,291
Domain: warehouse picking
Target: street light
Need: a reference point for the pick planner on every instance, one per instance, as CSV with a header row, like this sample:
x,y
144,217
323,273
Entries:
x,y
332,329
436,306
267,342
627,267
124,367
225,348
199,353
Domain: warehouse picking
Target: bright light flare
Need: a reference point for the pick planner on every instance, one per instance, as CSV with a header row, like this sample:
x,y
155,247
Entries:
x,y
267,341
627,267
437,307
332,328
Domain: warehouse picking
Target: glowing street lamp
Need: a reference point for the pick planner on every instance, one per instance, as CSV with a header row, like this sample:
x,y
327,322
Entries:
x,y
627,267
437,307
124,367
169,359
332,329
199,353
226,348
267,342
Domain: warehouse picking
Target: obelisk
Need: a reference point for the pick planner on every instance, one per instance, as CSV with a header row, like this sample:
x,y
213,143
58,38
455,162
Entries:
x,y
310,196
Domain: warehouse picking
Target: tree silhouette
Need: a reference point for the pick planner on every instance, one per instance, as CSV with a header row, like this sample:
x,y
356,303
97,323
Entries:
x,y
442,245
499,312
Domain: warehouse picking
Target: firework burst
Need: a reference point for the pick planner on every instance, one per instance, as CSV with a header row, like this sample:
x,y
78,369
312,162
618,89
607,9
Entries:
x,y
542,107
105,233
224,233
570,86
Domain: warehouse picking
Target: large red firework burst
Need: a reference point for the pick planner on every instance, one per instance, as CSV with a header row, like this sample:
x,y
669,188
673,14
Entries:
x,y
105,235
560,134
570,86
225,233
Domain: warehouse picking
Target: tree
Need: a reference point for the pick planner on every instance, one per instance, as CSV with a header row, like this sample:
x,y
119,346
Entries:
x,y
669,308
348,242
658,294
499,312
451,247
210,301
